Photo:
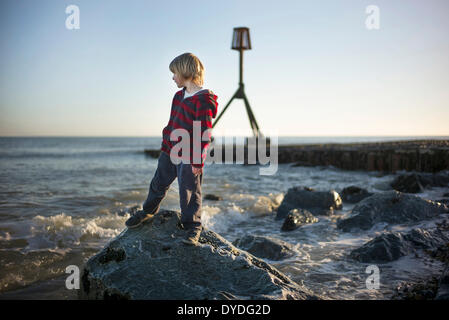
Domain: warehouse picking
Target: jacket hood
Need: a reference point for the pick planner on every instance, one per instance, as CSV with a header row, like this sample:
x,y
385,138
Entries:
x,y
208,100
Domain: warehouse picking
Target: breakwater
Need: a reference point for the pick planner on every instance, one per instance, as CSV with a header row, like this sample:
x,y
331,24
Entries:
x,y
389,157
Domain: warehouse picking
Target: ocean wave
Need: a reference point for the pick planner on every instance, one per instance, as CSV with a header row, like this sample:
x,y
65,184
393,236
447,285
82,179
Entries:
x,y
63,231
20,269
237,209
259,205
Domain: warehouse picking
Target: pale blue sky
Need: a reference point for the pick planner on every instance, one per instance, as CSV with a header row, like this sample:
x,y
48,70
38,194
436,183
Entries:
x,y
315,69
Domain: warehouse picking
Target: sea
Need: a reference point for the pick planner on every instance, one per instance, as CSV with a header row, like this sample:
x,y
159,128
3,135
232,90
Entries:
x,y
63,198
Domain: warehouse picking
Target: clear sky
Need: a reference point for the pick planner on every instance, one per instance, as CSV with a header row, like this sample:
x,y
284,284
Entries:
x,y
315,68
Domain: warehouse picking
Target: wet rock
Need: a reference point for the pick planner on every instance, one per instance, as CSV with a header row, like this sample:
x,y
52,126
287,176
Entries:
x,y
384,248
410,183
354,194
421,290
151,262
393,245
297,218
317,202
152,153
443,286
434,287
417,182
390,207
212,197
443,201
265,247
427,239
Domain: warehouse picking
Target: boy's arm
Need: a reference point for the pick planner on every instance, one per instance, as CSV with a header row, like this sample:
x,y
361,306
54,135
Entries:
x,y
204,114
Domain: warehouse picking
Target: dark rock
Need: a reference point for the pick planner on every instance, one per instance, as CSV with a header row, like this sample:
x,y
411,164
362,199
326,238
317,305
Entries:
x,y
417,182
443,286
265,247
427,239
152,153
212,197
410,183
354,194
433,288
297,218
111,254
384,248
421,290
446,194
393,245
443,201
317,202
390,207
151,262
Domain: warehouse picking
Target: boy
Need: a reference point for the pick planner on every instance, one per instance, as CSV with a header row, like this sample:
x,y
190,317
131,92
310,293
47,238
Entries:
x,y
192,106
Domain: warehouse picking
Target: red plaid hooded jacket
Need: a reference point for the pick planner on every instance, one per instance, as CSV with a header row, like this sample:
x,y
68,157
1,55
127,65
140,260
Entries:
x,y
201,107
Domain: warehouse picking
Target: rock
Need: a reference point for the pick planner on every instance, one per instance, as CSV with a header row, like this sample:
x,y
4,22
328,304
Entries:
x,y
384,248
393,245
390,207
265,247
417,182
297,218
421,290
151,262
432,288
317,202
152,153
443,201
427,239
354,194
212,197
443,286
410,183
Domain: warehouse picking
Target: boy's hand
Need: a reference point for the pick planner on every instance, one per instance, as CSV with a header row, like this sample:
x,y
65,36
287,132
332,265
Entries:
x,y
197,170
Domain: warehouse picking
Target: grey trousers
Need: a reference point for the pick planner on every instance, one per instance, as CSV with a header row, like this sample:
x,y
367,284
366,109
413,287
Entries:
x,y
189,190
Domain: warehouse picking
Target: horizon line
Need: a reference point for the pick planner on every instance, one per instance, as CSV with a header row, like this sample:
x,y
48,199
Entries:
x,y
283,136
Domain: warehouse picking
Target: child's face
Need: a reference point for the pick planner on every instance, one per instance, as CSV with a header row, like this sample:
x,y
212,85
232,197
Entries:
x,y
180,82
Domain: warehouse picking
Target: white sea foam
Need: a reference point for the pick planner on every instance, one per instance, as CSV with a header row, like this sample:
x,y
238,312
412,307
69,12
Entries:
x,y
220,219
6,236
63,230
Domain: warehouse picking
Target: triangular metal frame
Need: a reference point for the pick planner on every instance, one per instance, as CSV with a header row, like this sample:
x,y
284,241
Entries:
x,y
240,94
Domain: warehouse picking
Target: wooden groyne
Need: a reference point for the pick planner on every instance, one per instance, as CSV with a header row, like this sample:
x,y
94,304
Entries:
x,y
388,157
412,155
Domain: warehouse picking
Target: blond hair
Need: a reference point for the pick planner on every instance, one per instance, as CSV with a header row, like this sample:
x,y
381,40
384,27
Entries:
x,y
188,66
